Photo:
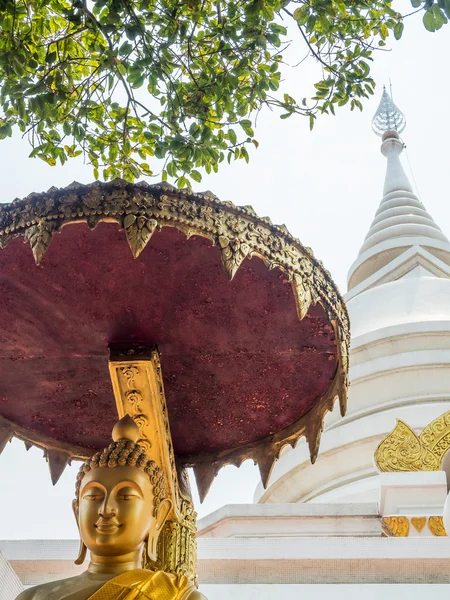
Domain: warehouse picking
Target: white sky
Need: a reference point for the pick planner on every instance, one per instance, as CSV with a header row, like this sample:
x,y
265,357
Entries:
x,y
325,186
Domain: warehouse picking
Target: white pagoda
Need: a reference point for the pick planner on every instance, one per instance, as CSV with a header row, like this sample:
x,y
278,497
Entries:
x,y
399,304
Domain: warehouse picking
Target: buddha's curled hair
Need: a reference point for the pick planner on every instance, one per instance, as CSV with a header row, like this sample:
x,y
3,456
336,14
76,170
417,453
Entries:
x,y
125,453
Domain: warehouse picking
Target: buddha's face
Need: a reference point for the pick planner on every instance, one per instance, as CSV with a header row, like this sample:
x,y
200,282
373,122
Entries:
x,y
116,509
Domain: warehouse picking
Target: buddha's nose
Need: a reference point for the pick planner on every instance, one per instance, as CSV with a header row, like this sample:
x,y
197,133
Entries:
x,y
107,509
107,512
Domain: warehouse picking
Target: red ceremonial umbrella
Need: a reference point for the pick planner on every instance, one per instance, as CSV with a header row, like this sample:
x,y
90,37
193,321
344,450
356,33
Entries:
x,y
252,331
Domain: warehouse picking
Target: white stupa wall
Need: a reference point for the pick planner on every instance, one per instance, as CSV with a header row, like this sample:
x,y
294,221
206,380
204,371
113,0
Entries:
x,y
399,307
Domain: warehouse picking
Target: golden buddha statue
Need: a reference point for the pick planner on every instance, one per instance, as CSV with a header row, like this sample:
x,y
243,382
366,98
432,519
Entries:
x,y
120,507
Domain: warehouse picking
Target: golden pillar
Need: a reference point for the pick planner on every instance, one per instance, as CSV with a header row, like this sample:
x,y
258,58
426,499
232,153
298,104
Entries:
x,y
139,392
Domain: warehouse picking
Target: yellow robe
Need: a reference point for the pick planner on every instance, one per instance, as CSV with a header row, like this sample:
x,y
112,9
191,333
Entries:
x,y
141,584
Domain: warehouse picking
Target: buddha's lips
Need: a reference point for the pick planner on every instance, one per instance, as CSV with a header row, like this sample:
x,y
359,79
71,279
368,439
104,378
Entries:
x,y
107,526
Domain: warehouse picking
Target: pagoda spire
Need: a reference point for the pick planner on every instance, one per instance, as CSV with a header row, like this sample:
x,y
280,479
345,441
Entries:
x,y
401,220
388,117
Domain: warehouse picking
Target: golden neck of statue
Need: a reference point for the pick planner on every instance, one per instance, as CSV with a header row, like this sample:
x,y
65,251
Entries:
x,y
115,565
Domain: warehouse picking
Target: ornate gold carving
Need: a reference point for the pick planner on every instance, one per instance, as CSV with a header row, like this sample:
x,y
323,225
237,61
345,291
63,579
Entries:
x,y
404,450
304,296
418,523
436,526
395,526
40,236
139,230
237,232
138,388
233,253
399,526
436,436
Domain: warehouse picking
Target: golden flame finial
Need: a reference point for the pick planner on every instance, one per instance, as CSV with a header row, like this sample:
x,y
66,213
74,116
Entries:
x,y
125,429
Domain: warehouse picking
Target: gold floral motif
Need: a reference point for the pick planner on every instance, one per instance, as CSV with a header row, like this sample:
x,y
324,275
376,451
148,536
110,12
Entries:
x,y
139,230
142,423
40,236
130,373
304,296
399,526
395,526
436,526
404,450
436,435
134,397
233,253
418,523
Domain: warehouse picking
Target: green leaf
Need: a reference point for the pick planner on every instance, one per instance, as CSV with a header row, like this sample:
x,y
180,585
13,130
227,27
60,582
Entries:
x,y
439,15
139,84
182,182
429,20
51,56
398,30
232,137
196,176
125,49
447,8
298,13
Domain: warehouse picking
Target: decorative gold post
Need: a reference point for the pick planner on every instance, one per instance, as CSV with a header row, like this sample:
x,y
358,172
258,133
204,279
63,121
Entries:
x,y
139,391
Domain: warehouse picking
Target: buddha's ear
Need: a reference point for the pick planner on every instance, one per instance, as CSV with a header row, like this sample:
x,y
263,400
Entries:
x,y
82,551
163,512
75,511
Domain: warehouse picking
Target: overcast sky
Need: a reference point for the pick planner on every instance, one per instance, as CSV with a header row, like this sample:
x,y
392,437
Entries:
x,y
324,185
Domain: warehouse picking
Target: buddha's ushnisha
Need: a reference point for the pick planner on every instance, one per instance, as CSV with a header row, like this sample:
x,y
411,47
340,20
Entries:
x,y
121,506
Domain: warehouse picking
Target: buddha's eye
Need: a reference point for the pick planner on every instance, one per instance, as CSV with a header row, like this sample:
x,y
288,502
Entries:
x,y
128,496
92,497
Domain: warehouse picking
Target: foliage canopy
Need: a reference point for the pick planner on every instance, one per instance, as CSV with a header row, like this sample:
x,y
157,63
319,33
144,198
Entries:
x,y
179,80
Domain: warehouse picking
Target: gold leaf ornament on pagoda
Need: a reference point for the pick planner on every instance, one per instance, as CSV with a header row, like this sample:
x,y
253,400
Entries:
x,y
403,450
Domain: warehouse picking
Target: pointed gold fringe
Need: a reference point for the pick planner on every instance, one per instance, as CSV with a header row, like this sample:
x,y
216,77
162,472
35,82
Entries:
x,y
139,230
39,236
204,476
5,436
302,295
266,460
233,253
57,462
